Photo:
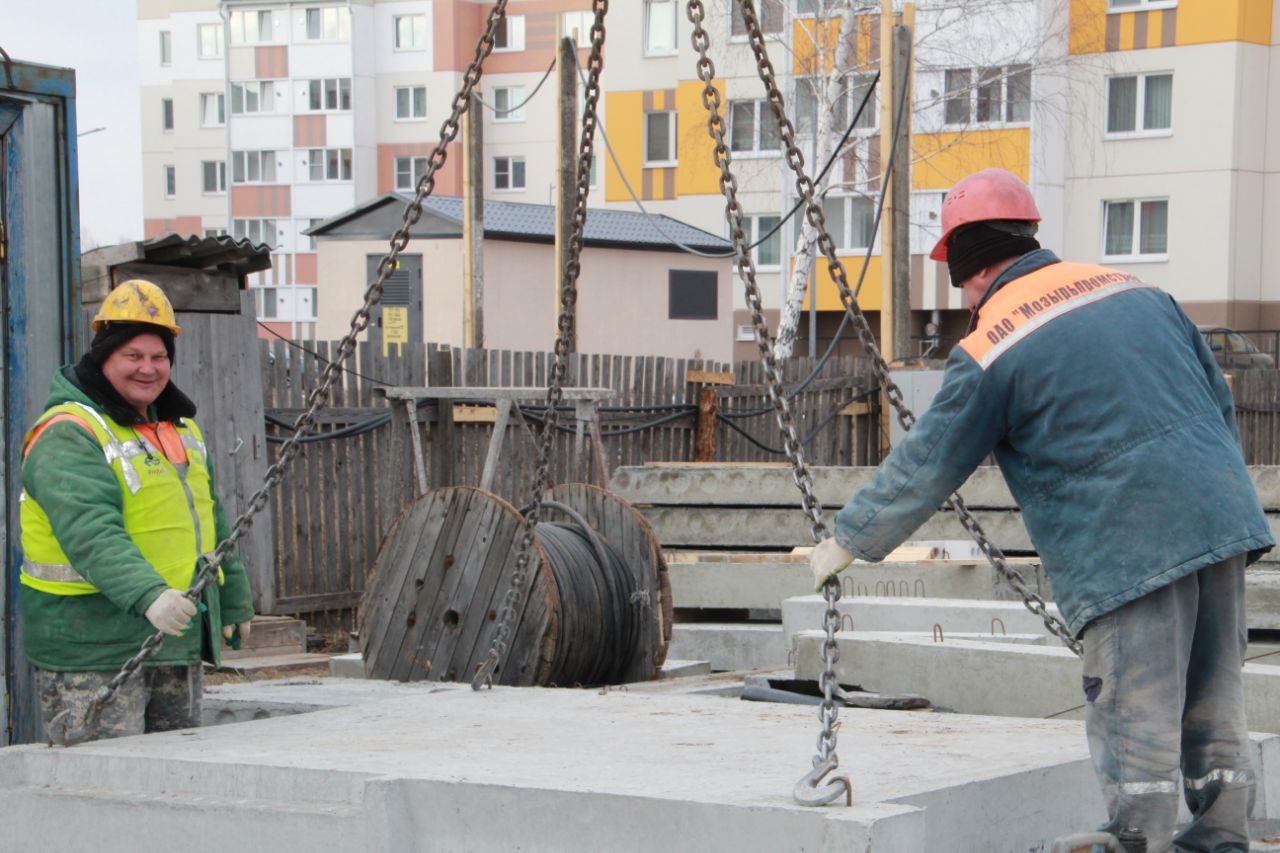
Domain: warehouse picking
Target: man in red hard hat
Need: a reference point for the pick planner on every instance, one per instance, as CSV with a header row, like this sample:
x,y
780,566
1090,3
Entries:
x,y
1115,431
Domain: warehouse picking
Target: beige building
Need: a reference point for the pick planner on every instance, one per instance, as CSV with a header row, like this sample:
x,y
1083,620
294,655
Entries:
x,y
638,293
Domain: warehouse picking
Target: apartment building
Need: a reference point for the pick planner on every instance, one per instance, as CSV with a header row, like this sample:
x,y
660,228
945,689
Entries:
x,y
1141,125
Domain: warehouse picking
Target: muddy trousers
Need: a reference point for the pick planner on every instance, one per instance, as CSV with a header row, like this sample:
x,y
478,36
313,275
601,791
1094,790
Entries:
x,y
1166,712
153,699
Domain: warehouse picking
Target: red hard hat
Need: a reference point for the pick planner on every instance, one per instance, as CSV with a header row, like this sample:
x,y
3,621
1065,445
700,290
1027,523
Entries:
x,y
982,196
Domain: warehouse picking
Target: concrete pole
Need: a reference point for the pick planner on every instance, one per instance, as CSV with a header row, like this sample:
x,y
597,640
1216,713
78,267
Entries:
x,y
567,173
473,225
901,224
888,80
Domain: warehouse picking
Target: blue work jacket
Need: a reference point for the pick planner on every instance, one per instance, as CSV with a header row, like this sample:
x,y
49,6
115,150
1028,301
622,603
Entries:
x,y
1111,422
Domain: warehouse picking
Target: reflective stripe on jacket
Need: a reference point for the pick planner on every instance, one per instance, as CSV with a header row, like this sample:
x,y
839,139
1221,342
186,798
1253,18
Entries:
x,y
168,511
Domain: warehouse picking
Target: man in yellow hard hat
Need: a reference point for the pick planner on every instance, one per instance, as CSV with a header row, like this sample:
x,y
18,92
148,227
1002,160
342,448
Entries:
x,y
118,504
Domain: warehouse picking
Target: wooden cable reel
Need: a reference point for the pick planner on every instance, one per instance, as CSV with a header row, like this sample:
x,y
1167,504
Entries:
x,y
433,603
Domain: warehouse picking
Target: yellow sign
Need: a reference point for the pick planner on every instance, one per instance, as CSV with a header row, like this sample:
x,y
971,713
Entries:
x,y
395,326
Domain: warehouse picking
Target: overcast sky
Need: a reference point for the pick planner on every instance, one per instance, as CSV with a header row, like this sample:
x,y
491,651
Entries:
x,y
98,38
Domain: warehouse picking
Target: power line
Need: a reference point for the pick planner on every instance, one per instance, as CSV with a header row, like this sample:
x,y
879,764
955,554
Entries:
x,y
520,105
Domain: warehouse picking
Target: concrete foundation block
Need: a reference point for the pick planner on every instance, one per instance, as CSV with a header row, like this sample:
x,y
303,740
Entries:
x,y
347,666
729,646
684,668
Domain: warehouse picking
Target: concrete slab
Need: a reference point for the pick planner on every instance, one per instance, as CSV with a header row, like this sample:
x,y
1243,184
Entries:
x,y
543,770
257,700
683,668
729,646
350,665
1000,679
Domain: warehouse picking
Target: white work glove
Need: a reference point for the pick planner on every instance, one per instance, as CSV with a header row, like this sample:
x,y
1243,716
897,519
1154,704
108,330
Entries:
x,y
228,631
171,612
827,559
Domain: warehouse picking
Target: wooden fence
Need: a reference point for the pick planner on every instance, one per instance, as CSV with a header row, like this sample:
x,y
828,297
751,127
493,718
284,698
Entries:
x,y
1257,395
343,493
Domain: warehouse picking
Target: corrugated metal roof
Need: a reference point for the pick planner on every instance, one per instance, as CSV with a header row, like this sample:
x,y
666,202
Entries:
x,y
207,253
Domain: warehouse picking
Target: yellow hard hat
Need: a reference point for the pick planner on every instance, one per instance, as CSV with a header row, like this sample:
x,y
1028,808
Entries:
x,y
137,301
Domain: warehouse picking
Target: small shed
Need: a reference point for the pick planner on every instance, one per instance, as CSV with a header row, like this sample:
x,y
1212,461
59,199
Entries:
x,y
216,365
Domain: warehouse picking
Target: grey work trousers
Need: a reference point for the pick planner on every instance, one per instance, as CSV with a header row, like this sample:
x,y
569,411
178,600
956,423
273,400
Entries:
x,y
1165,696
153,699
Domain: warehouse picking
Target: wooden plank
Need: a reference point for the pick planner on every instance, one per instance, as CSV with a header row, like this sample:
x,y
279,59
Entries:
x,y
468,414
709,377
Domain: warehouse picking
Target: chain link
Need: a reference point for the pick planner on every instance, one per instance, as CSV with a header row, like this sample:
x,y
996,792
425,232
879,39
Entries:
x,y
67,730
807,791
517,591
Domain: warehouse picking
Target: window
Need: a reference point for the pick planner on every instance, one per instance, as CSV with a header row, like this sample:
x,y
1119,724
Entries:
x,y
577,26
508,173
329,164
268,303
331,94
250,27
1136,229
988,95
510,33
214,174
209,41
659,27
691,295
253,167
770,13
850,221
215,232
769,252
311,238
166,47
213,111
255,230
1132,5
410,32
408,171
411,102
659,138
255,96
508,103
1140,104
170,181
809,91
166,113
329,23
753,127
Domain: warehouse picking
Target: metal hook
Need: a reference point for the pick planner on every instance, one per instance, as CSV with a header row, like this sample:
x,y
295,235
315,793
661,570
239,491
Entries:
x,y
902,589
994,620
937,633
919,588
862,589
880,587
846,584
844,616
807,792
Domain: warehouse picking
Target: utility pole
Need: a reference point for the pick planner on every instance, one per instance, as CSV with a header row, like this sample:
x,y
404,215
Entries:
x,y
473,225
895,240
567,171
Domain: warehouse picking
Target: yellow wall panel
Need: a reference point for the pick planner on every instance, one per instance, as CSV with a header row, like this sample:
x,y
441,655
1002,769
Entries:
x,y
697,173
829,295
1255,21
941,159
1088,26
1126,32
1197,22
807,35
625,111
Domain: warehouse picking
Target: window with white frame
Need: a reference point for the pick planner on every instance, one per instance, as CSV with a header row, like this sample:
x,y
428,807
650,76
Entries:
x,y
577,26
267,302
411,103
409,32
769,252
660,27
850,221
166,47
771,13
510,34
1137,5
166,114
215,232
408,171
213,176
213,109
753,127
311,238
853,88
1135,229
170,181
253,167
332,93
255,231
659,139
250,26
1139,104
209,41
253,96
508,103
328,23
508,173
988,95
329,164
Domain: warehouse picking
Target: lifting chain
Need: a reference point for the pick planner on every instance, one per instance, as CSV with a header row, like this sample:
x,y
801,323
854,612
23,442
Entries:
x,y
65,729
517,591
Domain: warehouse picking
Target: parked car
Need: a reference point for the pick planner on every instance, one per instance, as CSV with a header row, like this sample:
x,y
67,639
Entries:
x,y
1233,350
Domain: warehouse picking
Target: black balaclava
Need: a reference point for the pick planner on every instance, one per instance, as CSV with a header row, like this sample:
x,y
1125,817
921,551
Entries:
x,y
88,377
981,244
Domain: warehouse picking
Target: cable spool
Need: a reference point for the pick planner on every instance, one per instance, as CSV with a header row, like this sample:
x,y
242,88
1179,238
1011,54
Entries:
x,y
597,608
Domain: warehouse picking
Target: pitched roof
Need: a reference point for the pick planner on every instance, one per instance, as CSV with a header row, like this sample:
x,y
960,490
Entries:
x,y
536,223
